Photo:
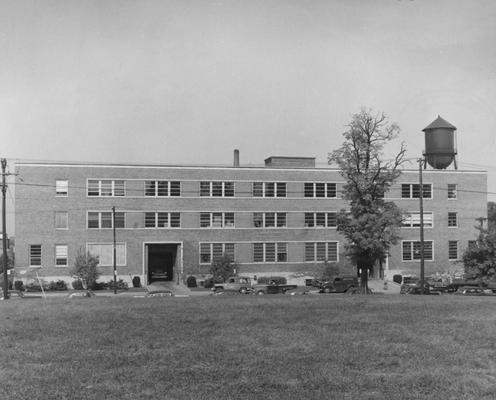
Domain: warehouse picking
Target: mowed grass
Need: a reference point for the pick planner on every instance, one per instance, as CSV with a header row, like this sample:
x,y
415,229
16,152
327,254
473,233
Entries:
x,y
249,347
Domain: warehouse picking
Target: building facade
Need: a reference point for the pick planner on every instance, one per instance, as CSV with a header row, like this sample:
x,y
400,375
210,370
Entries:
x,y
172,221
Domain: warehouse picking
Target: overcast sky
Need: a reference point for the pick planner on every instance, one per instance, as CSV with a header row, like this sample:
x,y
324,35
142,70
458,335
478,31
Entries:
x,y
188,81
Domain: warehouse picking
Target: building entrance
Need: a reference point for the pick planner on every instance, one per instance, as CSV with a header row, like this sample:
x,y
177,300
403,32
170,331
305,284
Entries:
x,y
160,261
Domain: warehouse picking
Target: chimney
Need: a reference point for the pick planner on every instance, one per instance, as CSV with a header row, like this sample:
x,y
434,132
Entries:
x,y
236,157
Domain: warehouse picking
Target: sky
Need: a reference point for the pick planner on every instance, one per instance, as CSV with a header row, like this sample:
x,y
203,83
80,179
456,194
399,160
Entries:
x,y
186,82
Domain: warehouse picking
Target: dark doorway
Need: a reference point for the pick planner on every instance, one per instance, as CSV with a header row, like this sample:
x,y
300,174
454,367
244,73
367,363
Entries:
x,y
161,260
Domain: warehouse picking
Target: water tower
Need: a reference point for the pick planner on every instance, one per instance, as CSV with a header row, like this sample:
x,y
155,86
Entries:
x,y
440,149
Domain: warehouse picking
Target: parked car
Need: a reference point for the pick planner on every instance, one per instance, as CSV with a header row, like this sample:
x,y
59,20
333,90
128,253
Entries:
x,y
234,284
272,288
340,284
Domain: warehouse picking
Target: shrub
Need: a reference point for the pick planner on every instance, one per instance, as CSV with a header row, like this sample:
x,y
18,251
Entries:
x,y
100,286
33,286
85,268
120,285
191,282
397,278
77,285
209,283
19,285
58,285
222,268
136,282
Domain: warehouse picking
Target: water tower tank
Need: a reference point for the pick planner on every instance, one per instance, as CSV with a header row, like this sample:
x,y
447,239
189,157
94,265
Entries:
x,y
440,148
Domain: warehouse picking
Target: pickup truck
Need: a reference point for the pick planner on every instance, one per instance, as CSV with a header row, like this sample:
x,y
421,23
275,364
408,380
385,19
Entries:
x,y
234,284
272,288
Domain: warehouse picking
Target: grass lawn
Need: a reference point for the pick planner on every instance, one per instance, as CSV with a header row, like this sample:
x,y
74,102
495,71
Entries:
x,y
249,347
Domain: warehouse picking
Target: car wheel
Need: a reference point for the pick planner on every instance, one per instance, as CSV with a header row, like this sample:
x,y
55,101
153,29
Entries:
x,y
242,290
327,290
260,292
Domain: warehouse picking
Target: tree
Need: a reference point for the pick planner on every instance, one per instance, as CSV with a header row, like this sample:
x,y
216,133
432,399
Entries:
x,y
479,260
491,216
371,224
85,268
222,267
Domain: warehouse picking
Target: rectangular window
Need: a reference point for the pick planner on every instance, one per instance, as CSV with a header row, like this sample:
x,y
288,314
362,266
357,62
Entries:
x,y
162,188
411,250
61,220
105,253
216,189
270,252
453,250
269,189
321,219
61,255
217,220
269,220
61,188
282,252
321,251
35,255
319,189
162,220
412,191
452,220
103,220
210,252
106,188
452,191
412,220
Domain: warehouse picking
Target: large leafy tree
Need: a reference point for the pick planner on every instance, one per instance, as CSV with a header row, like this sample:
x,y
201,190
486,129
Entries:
x,y
371,224
479,260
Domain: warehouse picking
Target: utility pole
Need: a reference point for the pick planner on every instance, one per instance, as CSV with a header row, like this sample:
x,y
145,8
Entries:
x,y
4,233
115,251
421,210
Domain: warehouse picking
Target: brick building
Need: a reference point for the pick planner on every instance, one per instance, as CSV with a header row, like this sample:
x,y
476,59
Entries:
x,y
171,221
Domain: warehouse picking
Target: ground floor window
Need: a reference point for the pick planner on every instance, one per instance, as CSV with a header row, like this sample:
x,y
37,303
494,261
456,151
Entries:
x,y
410,250
270,252
35,255
105,253
453,250
214,251
321,251
61,252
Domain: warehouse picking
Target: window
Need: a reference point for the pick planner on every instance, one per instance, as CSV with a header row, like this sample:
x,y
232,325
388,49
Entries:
x,y
321,251
106,188
412,191
162,220
35,255
61,255
217,220
213,251
321,219
162,188
452,191
216,189
105,253
319,189
269,220
61,220
412,220
269,189
270,252
61,188
452,220
453,250
411,250
103,220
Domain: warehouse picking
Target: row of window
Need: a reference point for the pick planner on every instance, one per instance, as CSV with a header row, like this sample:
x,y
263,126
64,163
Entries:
x,y
104,219
412,220
411,250
263,252
163,188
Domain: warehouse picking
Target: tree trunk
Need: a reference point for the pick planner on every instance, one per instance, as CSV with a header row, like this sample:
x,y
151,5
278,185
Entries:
x,y
364,280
